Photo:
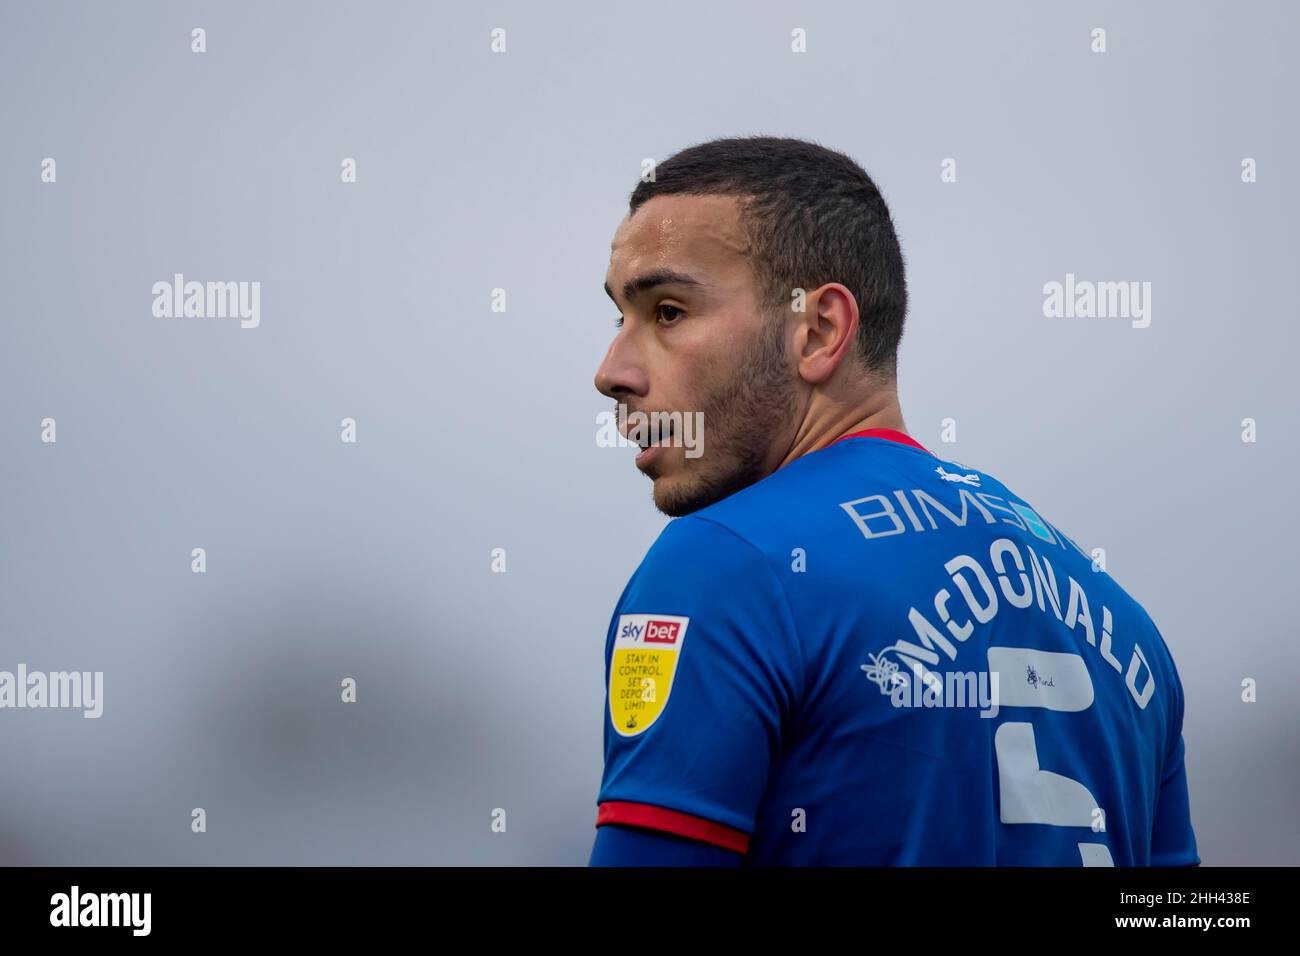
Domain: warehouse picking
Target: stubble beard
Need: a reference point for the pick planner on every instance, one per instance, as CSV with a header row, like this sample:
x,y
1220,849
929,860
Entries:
x,y
742,416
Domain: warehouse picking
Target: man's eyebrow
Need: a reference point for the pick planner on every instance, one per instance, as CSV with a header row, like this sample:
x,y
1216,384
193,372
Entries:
x,y
649,280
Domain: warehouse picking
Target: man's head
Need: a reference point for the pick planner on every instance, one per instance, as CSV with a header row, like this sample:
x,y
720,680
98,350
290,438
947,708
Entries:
x,y
760,283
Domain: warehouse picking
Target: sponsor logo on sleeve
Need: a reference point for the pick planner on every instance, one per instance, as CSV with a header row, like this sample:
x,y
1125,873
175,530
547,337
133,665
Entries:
x,y
641,669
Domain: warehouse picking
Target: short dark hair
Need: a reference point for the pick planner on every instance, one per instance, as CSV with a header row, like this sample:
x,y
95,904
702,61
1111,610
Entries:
x,y
813,216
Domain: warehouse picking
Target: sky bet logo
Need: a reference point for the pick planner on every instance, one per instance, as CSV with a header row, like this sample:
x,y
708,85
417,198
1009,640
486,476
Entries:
x,y
642,665
652,632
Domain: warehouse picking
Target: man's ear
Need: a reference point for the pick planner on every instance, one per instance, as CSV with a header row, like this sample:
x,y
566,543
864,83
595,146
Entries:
x,y
826,331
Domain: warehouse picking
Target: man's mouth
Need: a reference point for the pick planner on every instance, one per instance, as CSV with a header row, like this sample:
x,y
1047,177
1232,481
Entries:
x,y
648,454
650,445
644,438
654,442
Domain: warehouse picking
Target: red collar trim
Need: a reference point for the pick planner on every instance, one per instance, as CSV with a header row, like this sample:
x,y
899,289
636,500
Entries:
x,y
890,433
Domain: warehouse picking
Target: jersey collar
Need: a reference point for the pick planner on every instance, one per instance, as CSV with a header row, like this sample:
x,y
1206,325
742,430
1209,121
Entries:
x,y
890,433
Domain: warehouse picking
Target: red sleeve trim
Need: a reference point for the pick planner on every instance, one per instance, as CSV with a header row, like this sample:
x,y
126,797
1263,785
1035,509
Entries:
x,y
672,821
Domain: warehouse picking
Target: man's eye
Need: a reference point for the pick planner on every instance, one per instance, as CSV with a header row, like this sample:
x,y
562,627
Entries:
x,y
669,319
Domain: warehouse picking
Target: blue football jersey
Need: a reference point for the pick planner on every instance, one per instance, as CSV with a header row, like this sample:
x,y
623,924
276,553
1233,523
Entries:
x,y
876,656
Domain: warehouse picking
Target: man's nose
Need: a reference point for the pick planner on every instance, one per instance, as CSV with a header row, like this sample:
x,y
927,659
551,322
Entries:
x,y
621,373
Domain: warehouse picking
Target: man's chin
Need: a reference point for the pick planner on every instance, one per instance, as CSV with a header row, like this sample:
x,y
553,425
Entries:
x,y
676,497
673,503
672,491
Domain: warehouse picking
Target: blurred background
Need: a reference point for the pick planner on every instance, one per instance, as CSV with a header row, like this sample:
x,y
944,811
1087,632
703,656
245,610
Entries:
x,y
479,170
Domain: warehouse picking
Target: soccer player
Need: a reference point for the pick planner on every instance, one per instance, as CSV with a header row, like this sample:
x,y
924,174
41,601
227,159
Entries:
x,y
846,649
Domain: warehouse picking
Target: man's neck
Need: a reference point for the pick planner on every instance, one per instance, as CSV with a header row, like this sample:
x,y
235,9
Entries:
x,y
819,431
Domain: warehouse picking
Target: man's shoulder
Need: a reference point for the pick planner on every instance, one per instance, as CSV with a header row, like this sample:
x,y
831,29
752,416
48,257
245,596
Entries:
x,y
702,542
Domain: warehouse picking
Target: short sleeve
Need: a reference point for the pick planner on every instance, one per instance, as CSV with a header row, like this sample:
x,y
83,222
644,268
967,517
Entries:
x,y
702,675
1173,841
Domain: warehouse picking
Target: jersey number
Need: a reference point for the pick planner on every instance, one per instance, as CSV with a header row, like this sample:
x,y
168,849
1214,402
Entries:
x,y
1027,793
